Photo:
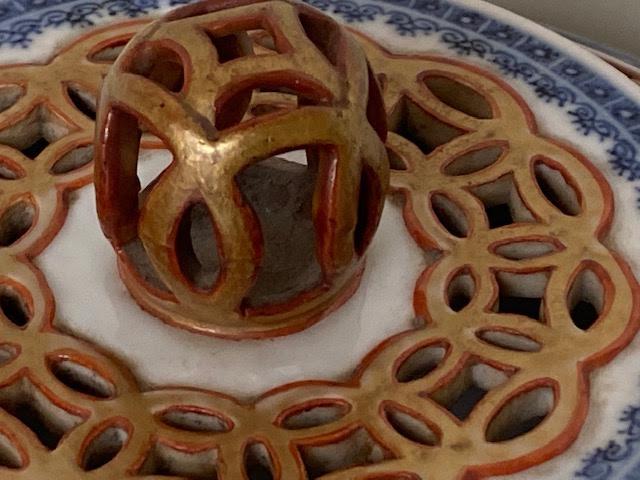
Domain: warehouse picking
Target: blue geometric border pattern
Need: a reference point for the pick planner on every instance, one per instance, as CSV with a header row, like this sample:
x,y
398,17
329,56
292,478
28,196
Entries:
x,y
604,462
554,77
595,107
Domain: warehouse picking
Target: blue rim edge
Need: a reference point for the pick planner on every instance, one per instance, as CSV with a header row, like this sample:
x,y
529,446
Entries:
x,y
614,119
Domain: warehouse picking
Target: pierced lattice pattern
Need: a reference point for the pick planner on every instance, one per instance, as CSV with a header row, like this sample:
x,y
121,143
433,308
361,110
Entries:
x,y
190,78
522,303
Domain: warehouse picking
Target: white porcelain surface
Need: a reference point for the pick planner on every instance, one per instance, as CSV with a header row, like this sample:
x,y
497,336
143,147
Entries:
x,y
80,265
94,304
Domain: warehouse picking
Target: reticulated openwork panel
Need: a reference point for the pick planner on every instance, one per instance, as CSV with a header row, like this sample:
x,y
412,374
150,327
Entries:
x,y
522,302
190,78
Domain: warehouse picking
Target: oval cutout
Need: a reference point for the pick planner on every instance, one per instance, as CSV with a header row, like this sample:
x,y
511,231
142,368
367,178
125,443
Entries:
x,y
85,101
420,363
421,127
376,111
9,96
11,456
15,222
81,378
324,33
450,215
322,412
258,464
13,307
109,52
280,193
197,248
410,426
524,249
557,190
8,352
586,299
158,63
195,419
105,446
460,290
232,106
521,414
396,162
9,170
370,204
459,96
474,161
509,340
73,160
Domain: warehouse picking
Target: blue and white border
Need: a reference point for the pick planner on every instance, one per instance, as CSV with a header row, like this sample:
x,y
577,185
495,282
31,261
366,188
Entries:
x,y
595,106
615,457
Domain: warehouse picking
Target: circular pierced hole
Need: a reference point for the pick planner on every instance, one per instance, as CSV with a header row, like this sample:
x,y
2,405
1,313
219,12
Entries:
x,y
420,363
195,419
450,215
461,290
509,340
105,445
411,426
81,378
458,96
309,416
15,222
521,414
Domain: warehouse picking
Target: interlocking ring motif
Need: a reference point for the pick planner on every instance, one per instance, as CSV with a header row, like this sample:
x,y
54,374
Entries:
x,y
200,121
399,416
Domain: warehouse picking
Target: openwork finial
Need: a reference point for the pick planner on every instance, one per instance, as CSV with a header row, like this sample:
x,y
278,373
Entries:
x,y
230,239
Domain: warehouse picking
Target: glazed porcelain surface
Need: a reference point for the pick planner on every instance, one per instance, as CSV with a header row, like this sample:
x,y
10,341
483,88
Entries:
x,y
574,97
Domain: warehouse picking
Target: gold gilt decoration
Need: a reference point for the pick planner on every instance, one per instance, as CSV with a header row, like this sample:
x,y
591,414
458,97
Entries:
x,y
522,303
189,79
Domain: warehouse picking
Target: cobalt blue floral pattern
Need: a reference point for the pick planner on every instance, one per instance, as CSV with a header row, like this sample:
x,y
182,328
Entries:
x,y
595,107
604,462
